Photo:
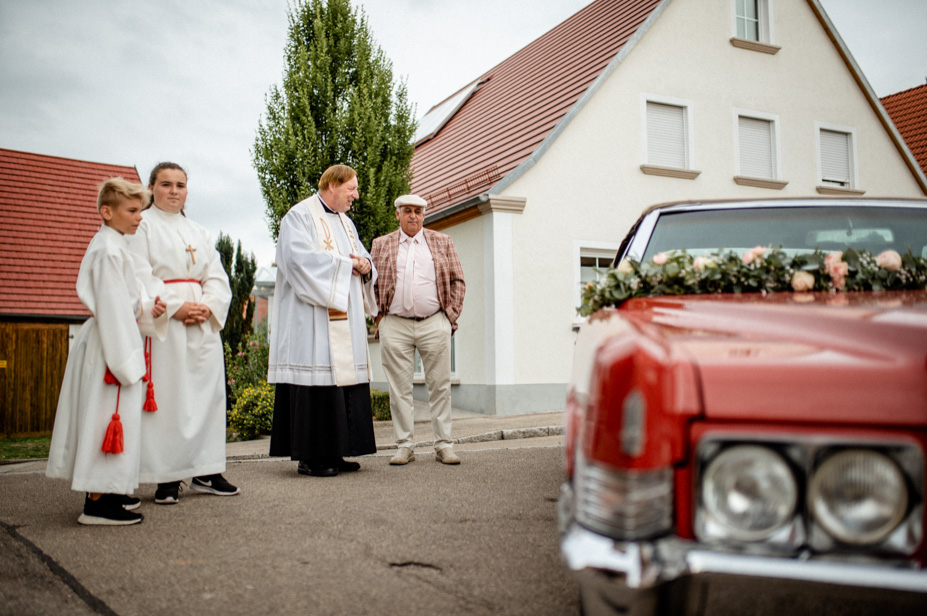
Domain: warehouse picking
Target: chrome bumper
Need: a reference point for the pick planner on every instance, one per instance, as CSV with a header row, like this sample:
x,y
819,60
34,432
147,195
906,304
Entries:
x,y
631,577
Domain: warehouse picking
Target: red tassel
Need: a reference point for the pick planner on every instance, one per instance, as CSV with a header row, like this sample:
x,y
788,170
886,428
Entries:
x,y
109,378
114,442
150,405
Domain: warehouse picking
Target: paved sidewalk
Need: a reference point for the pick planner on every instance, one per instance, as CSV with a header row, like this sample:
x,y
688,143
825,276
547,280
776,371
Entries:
x,y
469,430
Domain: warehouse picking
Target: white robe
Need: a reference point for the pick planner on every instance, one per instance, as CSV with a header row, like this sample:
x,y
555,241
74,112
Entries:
x,y
311,280
107,286
185,437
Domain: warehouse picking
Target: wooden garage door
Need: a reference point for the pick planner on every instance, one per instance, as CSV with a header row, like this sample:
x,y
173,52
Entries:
x,y
32,360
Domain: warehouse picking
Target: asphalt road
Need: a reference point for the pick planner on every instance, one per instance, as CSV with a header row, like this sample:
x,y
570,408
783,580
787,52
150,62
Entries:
x,y
479,538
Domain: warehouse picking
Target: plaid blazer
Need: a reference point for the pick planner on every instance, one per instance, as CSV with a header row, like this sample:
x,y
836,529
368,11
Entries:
x,y
449,274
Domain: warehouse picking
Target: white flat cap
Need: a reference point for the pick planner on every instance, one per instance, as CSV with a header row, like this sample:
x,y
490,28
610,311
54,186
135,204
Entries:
x,y
410,200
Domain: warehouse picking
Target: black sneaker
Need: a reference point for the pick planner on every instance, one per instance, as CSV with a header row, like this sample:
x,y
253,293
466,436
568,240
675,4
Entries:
x,y
107,511
129,503
168,493
213,484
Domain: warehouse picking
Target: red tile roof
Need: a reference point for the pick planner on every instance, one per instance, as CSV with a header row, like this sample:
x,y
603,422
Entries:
x,y
520,102
908,110
48,215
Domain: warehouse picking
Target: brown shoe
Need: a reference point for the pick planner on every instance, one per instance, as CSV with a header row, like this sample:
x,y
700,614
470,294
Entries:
x,y
447,456
404,456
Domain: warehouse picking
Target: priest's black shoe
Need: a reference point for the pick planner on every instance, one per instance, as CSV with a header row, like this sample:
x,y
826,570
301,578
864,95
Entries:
x,y
316,471
345,466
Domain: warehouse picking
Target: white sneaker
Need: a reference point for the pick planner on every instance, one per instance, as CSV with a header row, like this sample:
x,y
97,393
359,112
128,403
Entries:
x,y
404,456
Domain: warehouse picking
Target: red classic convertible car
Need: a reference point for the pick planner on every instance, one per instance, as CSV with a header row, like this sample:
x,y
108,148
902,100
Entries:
x,y
747,415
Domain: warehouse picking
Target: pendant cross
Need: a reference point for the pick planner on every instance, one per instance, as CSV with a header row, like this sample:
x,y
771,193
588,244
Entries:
x,y
191,250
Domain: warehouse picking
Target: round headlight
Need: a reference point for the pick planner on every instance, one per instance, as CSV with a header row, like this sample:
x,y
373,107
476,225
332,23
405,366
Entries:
x,y
750,490
858,496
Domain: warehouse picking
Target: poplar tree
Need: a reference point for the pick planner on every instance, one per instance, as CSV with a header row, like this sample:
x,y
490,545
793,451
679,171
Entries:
x,y
338,103
241,280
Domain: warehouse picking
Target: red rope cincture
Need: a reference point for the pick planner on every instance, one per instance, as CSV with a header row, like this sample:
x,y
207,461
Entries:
x,y
150,405
113,440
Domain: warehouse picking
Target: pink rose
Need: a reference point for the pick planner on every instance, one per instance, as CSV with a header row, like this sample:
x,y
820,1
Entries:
x,y
700,263
753,254
837,268
889,260
660,258
802,281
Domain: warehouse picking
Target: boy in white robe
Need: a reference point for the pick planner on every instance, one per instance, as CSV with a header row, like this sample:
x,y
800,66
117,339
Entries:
x,y
96,438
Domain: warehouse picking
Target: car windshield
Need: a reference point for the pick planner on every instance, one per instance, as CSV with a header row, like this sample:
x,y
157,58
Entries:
x,y
794,229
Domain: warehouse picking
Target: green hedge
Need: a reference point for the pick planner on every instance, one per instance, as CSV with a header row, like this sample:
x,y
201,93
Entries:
x,y
379,404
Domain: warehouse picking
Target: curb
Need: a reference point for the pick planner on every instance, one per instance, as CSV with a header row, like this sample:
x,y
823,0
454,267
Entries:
x,y
485,437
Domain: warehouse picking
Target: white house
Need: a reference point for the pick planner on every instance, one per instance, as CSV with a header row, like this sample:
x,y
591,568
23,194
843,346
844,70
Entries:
x,y
538,168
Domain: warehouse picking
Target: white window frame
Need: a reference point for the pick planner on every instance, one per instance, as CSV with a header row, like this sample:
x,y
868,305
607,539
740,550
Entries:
x,y
852,152
588,248
764,13
775,145
418,368
688,130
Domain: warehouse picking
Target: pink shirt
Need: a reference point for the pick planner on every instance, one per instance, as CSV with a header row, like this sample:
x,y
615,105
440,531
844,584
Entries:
x,y
424,286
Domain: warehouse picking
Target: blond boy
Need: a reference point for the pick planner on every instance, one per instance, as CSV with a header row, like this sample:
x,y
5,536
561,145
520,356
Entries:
x,y
95,442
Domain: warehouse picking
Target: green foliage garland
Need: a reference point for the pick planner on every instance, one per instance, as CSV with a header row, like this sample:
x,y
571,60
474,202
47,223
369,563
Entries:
x,y
759,270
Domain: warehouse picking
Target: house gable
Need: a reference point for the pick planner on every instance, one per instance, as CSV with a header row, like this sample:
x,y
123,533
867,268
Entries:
x,y
519,102
48,216
523,104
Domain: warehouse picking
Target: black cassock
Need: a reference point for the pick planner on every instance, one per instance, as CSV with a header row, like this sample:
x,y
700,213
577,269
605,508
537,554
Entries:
x,y
322,423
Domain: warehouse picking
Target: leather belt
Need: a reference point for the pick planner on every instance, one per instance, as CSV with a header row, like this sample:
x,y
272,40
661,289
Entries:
x,y
416,319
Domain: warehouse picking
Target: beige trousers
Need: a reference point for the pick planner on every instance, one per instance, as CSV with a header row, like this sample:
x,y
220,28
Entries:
x,y
399,338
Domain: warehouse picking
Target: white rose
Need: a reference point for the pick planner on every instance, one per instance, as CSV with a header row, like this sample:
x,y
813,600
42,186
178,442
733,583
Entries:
x,y
802,281
625,267
889,260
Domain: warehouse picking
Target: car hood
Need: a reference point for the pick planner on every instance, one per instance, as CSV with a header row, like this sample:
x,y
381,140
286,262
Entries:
x,y
849,358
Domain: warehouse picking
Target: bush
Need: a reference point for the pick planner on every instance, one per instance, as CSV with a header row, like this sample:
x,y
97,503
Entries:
x,y
253,412
247,367
379,404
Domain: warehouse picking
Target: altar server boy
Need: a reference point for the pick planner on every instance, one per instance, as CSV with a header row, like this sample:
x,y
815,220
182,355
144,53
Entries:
x,y
96,442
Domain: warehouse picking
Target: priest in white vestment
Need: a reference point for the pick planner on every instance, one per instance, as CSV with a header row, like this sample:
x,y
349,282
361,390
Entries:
x,y
318,341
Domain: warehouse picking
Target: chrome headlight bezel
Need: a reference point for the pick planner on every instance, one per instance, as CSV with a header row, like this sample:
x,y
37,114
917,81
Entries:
x,y
805,453
842,478
906,536
712,524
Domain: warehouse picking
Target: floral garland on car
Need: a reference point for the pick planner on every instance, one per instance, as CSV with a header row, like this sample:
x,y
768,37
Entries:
x,y
759,270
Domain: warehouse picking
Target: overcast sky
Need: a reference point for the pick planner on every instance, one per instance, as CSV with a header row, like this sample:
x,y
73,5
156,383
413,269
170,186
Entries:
x,y
137,82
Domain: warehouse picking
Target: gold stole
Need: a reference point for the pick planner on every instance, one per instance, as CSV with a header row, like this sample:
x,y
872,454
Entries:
x,y
339,328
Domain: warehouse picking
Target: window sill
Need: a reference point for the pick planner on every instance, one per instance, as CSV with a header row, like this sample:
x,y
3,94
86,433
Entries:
x,y
760,182
670,172
755,46
836,190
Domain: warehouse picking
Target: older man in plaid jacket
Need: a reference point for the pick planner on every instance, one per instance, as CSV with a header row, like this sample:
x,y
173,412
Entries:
x,y
420,291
